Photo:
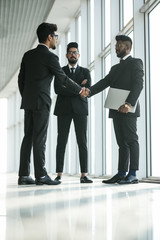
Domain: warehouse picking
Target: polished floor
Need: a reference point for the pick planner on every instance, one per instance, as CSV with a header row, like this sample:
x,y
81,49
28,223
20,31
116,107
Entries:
x,y
74,211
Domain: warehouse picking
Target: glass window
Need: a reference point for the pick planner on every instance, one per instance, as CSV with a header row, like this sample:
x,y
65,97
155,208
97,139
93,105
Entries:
x,y
132,50
107,121
3,134
92,128
79,31
107,23
127,11
91,30
79,36
154,36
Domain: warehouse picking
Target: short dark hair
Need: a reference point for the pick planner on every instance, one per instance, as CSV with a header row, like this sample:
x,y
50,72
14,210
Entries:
x,y
124,38
72,45
44,29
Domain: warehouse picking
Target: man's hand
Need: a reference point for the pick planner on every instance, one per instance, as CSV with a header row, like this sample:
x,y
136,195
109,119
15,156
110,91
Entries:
x,y
83,95
124,108
85,92
84,82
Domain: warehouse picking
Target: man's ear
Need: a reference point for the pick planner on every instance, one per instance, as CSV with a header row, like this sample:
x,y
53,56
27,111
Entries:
x,y
128,48
49,37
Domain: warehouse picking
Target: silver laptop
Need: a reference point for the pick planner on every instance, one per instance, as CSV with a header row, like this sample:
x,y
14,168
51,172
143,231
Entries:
x,y
116,98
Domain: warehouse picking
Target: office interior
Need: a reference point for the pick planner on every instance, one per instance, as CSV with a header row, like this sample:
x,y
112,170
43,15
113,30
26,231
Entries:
x,y
72,211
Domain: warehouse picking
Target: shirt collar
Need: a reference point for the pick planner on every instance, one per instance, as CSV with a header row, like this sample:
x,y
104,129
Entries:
x,y
125,57
75,66
44,45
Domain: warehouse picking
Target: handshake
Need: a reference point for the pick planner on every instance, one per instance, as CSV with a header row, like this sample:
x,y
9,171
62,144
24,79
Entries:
x,y
85,92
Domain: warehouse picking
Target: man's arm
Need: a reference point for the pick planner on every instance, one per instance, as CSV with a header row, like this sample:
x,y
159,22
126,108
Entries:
x,y
98,87
56,69
137,85
87,79
60,89
21,77
137,81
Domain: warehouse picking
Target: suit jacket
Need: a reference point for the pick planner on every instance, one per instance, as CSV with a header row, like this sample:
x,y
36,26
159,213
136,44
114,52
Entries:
x,y
67,101
127,75
37,69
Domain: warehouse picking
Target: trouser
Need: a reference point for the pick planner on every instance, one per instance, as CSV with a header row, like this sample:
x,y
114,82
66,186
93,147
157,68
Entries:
x,y
80,124
127,140
35,134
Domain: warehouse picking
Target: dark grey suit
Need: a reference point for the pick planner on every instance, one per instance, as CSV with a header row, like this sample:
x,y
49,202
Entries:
x,y
127,75
36,73
70,107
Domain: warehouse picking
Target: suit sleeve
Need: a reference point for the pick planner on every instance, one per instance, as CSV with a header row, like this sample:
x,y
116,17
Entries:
x,y
21,77
88,77
60,89
137,81
56,69
100,85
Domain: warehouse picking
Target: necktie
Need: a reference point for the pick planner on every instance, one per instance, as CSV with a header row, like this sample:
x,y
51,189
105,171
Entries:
x,y
72,71
121,61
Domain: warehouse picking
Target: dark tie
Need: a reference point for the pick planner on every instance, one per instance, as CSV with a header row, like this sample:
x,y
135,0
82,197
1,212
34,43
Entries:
x,y
72,71
121,61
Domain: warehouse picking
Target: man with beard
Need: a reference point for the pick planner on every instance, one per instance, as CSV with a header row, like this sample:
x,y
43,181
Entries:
x,y
127,75
38,67
70,107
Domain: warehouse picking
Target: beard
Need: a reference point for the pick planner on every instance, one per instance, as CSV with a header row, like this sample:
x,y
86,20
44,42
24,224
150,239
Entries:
x,y
72,60
121,54
54,47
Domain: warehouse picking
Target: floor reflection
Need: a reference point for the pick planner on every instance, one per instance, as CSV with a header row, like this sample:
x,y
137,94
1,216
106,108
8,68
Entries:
x,y
74,211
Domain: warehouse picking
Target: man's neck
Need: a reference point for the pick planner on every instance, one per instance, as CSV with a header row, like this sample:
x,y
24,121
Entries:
x,y
126,56
44,44
72,65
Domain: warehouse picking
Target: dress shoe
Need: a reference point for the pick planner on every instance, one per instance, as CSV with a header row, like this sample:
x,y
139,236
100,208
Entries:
x,y
25,180
47,180
129,179
85,179
115,179
58,178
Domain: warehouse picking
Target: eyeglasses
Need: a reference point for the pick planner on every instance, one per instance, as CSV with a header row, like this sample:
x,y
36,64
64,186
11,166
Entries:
x,y
119,45
73,52
54,35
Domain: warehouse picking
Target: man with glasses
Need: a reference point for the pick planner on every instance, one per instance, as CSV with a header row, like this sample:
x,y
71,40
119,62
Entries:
x,y
127,75
38,67
72,107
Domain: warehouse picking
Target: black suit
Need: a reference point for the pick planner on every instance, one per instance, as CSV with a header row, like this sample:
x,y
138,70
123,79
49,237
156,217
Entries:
x,y
127,75
36,73
70,106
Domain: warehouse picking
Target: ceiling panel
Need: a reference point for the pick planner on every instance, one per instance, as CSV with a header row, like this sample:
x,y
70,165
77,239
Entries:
x,y
18,21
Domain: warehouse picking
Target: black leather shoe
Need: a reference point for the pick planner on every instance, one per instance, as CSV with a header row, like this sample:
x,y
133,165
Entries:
x,y
129,179
85,179
25,180
58,178
115,179
47,180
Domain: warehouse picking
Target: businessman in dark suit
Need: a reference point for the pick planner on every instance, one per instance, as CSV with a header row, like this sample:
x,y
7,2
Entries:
x,y
70,106
127,75
37,69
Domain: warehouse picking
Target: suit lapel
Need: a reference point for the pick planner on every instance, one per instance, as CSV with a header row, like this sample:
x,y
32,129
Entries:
x,y
120,68
77,74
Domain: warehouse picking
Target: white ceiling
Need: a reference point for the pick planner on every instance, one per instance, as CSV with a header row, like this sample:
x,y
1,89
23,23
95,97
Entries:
x,y
18,23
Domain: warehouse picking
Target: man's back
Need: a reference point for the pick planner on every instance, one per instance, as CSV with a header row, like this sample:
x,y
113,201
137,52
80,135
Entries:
x,y
35,77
